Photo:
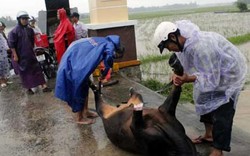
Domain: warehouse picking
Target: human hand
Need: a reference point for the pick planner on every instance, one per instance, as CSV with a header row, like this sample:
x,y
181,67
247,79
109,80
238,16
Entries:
x,y
15,57
185,78
179,80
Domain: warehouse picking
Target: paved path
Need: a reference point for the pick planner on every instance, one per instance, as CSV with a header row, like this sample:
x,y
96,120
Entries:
x,y
242,116
40,124
241,128
187,116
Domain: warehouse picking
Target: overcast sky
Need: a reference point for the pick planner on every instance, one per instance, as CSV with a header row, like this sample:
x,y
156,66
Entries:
x,y
11,7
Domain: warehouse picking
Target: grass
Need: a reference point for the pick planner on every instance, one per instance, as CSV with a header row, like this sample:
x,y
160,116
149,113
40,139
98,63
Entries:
x,y
156,14
85,20
153,58
162,13
187,89
237,40
247,83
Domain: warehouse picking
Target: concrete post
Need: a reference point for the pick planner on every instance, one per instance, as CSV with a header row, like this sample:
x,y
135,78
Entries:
x,y
110,17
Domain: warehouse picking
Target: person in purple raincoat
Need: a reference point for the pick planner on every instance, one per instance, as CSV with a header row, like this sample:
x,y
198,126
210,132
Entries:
x,y
21,43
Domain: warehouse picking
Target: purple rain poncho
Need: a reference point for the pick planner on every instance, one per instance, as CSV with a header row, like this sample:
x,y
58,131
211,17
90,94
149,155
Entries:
x,y
219,66
22,39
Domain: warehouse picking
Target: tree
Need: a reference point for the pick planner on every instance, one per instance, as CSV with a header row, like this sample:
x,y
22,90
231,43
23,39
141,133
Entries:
x,y
9,22
242,6
244,1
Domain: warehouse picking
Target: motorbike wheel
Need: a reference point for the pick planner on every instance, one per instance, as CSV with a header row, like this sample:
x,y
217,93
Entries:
x,y
47,71
49,68
52,54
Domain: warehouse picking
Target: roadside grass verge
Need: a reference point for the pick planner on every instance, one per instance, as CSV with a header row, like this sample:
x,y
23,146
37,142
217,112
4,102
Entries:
x,y
171,12
154,58
187,89
167,12
237,40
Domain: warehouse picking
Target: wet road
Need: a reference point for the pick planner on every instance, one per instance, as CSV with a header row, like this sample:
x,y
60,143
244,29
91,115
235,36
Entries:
x,y
42,125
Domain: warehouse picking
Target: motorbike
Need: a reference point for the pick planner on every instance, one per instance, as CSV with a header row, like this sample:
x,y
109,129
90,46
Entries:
x,y
47,61
45,55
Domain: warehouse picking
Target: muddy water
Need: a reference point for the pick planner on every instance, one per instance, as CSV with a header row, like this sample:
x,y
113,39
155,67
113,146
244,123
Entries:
x,y
42,125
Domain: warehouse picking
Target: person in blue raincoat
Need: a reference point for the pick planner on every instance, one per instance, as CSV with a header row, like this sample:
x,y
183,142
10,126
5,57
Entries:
x,y
77,64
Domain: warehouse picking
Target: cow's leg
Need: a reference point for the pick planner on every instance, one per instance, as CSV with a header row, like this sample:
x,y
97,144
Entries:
x,y
137,101
169,105
103,109
168,109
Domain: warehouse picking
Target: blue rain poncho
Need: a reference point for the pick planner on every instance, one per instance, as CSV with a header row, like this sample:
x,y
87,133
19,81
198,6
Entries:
x,y
78,63
219,66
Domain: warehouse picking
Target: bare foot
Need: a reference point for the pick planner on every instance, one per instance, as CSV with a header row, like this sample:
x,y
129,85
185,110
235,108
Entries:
x,y
202,139
91,114
216,152
86,121
104,81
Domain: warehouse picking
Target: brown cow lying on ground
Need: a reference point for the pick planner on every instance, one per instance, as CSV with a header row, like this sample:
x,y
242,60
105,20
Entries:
x,y
147,131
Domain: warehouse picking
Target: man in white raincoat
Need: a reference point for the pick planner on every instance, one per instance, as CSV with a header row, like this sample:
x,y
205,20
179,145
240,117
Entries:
x,y
217,69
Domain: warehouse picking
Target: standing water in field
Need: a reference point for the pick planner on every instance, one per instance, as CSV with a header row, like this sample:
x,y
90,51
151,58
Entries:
x,y
226,24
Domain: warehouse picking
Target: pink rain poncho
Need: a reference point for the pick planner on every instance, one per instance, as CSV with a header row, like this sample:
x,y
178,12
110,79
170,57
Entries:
x,y
219,66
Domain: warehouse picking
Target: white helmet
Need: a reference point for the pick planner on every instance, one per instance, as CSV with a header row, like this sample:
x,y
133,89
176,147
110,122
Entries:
x,y
22,14
162,31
